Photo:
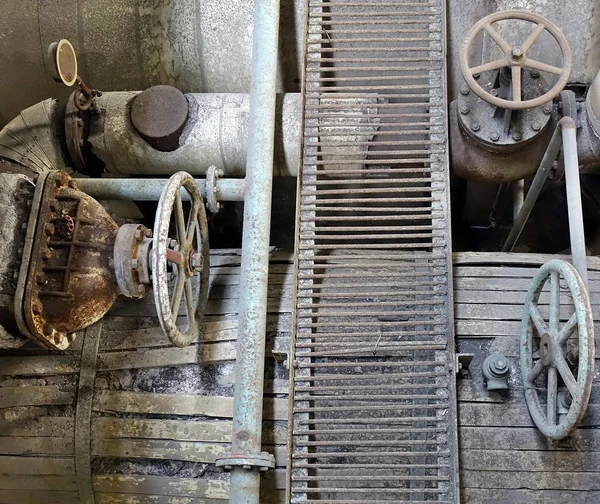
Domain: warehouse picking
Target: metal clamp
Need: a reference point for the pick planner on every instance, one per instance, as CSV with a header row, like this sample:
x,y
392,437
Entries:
x,y
262,461
213,174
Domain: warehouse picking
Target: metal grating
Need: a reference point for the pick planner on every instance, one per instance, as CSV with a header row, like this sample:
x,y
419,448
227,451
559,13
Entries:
x,y
373,406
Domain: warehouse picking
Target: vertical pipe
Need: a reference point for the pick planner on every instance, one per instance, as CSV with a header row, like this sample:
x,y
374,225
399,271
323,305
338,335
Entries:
x,y
249,382
578,252
518,196
534,191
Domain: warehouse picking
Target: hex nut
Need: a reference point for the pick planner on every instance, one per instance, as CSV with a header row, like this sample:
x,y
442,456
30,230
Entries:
x,y
494,137
139,236
464,110
517,136
475,127
536,126
134,263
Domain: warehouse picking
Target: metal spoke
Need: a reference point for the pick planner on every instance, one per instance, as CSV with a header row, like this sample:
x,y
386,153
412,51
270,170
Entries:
x,y
191,224
567,329
486,67
503,44
178,292
566,374
535,371
189,300
552,395
554,309
537,319
516,83
533,37
180,219
542,67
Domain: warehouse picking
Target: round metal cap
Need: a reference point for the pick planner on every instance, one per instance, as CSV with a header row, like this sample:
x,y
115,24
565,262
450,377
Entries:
x,y
159,115
62,62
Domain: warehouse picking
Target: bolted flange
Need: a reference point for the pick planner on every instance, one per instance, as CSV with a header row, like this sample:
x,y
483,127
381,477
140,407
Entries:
x,y
261,461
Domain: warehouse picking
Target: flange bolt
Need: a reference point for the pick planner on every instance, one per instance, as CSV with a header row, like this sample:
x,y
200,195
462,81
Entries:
x,y
475,127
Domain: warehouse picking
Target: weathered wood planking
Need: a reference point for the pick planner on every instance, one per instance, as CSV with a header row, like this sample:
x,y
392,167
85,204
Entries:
x,y
42,426
39,497
51,446
124,498
37,465
180,404
505,496
35,396
49,483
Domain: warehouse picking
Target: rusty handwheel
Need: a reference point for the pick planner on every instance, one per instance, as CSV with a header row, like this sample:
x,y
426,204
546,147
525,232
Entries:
x,y
187,255
515,57
552,341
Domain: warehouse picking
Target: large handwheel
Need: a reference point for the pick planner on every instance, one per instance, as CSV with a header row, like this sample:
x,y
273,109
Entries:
x,y
188,255
516,58
552,341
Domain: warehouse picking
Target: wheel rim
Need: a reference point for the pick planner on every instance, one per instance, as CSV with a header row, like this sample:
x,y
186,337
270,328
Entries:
x,y
192,238
553,337
519,63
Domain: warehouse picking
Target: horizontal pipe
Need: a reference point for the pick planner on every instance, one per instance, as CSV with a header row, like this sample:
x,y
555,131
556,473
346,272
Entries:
x,y
150,189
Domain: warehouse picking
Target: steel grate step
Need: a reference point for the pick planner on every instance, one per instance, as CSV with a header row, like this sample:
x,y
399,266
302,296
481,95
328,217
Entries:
x,y
373,404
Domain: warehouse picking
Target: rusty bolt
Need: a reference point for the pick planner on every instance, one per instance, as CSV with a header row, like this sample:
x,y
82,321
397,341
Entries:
x,y
49,229
547,108
475,127
246,466
464,110
47,254
58,338
139,236
197,261
40,278
227,468
464,90
58,182
72,184
536,126
48,329
517,136
494,137
134,263
148,233
535,74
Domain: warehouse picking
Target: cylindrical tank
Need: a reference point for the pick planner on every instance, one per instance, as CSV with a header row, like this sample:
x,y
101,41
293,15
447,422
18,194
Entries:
x,y
196,46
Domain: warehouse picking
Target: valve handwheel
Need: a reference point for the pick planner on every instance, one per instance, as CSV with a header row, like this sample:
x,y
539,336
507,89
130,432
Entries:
x,y
189,256
515,57
552,341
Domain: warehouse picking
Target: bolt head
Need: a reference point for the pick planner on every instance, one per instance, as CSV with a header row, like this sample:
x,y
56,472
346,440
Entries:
x,y
197,261
139,236
246,466
475,127
547,108
464,89
494,137
464,110
134,263
148,233
516,53
173,244
517,136
535,74
536,126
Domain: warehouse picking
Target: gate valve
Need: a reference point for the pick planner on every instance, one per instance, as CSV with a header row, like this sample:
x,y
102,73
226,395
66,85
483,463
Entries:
x,y
496,370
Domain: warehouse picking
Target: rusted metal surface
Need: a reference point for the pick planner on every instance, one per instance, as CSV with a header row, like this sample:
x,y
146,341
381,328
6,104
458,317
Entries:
x,y
553,343
516,58
159,114
191,270
68,284
372,392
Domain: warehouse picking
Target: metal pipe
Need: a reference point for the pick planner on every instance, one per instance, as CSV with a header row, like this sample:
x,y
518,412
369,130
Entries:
x,y
534,191
578,252
518,196
150,189
246,457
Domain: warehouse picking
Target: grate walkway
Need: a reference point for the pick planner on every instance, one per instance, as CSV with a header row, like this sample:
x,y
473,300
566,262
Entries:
x,y
373,406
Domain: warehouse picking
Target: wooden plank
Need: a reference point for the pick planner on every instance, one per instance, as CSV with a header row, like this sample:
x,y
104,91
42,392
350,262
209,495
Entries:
x,y
15,445
121,498
166,357
43,426
517,460
502,312
499,297
503,284
513,415
38,497
49,483
495,496
37,465
486,328
180,404
525,438
505,258
30,365
171,450
492,272
179,430
43,395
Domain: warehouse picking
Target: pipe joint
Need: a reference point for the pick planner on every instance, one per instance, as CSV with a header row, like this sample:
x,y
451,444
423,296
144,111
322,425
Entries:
x,y
262,461
567,123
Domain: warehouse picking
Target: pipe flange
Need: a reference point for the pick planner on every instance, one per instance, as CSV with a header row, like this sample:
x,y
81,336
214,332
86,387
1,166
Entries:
x,y
262,461
213,174
131,260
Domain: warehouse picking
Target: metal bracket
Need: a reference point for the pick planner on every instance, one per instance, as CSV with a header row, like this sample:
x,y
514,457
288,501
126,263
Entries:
x,y
262,461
